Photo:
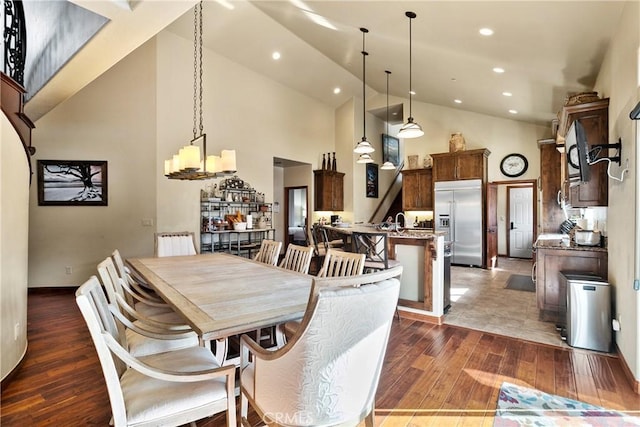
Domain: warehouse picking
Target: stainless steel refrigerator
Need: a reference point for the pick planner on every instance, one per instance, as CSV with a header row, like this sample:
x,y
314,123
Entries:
x,y
458,213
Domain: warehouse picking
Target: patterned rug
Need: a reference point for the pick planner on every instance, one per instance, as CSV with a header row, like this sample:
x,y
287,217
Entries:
x,y
521,406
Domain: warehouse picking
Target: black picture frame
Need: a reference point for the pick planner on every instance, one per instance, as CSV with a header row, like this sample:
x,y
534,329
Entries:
x,y
390,149
372,180
72,183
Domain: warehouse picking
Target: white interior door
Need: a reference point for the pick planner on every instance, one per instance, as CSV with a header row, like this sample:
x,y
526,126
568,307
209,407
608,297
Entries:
x,y
521,222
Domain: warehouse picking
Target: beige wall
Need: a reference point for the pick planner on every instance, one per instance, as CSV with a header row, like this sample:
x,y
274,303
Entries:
x,y
111,119
14,231
619,80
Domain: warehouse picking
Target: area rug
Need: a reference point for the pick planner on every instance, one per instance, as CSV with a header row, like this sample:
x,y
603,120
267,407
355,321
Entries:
x,y
521,282
521,406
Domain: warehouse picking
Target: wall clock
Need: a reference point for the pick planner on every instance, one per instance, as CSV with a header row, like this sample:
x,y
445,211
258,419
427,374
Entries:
x,y
514,165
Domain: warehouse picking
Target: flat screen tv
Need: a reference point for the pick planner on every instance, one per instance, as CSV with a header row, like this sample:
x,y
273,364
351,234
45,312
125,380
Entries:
x,y
577,149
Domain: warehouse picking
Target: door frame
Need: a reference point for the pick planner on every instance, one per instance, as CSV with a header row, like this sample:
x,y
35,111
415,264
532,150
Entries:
x,y
286,213
522,182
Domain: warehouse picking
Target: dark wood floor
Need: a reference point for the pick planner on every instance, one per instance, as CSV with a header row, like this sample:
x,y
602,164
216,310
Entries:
x,y
433,375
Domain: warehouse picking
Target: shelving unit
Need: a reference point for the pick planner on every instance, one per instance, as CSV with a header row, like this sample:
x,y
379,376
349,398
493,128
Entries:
x,y
234,196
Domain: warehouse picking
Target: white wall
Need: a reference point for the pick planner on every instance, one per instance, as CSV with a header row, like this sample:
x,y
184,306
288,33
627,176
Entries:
x,y
14,231
112,119
619,80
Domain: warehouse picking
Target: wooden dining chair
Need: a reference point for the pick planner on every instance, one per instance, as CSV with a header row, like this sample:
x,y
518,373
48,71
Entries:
x,y
269,252
340,263
328,372
297,258
175,243
169,389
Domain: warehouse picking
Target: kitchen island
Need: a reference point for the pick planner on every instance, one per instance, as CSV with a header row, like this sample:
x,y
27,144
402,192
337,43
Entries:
x,y
420,252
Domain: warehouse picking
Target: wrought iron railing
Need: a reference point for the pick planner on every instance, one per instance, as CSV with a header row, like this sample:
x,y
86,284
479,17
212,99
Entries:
x,y
15,40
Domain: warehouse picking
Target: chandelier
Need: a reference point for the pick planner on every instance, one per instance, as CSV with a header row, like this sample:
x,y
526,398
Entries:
x,y
188,163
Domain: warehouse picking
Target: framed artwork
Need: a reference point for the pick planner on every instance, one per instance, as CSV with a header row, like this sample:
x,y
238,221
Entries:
x,y
390,149
72,183
372,180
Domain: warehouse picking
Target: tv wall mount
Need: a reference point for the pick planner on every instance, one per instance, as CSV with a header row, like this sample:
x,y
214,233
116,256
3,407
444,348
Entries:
x,y
594,152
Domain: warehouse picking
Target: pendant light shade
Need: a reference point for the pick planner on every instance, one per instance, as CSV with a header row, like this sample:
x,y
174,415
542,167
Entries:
x,y
364,158
410,129
364,146
387,165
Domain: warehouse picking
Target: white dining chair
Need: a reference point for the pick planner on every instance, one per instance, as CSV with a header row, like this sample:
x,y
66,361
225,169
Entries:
x,y
340,263
168,389
328,373
139,334
175,243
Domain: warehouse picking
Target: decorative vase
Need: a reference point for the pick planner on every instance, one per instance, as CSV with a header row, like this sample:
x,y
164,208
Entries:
x,y
413,161
427,162
456,142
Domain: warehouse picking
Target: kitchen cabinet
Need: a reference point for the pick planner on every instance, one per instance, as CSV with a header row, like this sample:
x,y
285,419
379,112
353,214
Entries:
x,y
550,261
551,215
417,190
594,117
329,190
467,164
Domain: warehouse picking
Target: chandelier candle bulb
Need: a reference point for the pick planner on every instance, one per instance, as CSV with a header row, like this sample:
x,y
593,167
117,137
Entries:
x,y
228,160
191,157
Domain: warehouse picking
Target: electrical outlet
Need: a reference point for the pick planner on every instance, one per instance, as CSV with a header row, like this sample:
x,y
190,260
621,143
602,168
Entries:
x,y
68,269
16,331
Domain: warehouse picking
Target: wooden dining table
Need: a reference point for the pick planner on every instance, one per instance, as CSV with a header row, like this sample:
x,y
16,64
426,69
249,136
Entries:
x,y
221,295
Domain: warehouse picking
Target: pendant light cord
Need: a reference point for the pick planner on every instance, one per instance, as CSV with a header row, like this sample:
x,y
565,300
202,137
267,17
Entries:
x,y
409,14
388,73
364,89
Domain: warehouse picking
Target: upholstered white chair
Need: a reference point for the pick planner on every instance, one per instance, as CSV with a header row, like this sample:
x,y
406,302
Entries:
x,y
340,263
297,258
328,373
175,243
167,389
142,335
269,252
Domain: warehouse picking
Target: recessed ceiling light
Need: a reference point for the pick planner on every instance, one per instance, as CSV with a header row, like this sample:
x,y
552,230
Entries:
x,y
507,93
486,31
457,101
453,79
498,70
337,90
513,111
275,55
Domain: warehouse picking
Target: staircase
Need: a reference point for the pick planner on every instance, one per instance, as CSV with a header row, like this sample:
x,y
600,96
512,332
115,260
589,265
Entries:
x,y
391,202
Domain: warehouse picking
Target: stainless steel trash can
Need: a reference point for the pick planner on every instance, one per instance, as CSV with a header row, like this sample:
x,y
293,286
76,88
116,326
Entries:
x,y
588,312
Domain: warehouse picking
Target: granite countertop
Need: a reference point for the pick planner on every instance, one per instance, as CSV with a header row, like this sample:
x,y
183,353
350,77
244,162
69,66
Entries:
x,y
550,244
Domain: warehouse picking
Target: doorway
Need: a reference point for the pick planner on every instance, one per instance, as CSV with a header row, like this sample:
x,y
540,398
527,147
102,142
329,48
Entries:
x,y
499,217
296,215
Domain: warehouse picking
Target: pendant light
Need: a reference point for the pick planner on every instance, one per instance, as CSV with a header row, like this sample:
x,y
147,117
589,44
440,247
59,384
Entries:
x,y
387,165
364,158
188,163
410,129
363,146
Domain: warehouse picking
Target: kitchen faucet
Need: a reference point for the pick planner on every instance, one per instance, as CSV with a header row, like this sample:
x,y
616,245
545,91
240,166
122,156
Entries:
x,y
396,221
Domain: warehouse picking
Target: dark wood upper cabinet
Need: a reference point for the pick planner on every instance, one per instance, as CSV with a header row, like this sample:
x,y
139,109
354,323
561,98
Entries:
x,y
550,186
468,164
417,190
329,190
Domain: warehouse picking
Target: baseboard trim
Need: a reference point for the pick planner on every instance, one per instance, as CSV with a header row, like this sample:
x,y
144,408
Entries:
x,y
633,382
421,317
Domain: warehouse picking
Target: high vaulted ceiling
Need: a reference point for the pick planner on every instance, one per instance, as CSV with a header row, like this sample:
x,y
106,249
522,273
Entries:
x,y
547,48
